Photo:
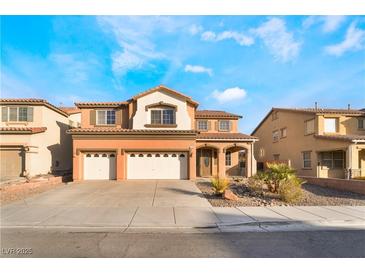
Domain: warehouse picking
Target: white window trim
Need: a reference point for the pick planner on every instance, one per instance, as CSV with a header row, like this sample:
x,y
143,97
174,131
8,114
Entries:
x,y
223,121
161,113
206,125
106,115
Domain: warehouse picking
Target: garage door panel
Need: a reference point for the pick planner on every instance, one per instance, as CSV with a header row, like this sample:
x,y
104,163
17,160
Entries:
x,y
12,163
158,165
99,166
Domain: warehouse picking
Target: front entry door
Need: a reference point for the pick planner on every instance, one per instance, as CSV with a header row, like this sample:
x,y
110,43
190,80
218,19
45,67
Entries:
x,y
206,162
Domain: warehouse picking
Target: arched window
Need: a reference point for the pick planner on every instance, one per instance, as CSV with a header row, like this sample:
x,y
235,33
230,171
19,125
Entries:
x,y
149,155
112,155
157,155
88,155
182,156
173,155
140,155
96,155
132,155
165,155
104,155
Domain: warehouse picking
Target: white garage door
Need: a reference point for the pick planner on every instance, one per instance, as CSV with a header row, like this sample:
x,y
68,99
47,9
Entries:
x,y
99,166
157,165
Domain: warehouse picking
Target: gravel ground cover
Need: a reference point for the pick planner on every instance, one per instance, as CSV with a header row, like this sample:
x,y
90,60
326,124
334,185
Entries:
x,y
313,195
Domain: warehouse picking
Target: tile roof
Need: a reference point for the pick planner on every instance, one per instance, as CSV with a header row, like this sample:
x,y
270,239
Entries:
x,y
70,110
32,101
218,135
325,110
113,130
23,130
100,104
342,137
215,114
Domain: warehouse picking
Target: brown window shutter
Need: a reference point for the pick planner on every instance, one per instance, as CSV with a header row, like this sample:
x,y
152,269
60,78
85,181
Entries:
x,y
93,117
230,126
4,114
118,117
209,125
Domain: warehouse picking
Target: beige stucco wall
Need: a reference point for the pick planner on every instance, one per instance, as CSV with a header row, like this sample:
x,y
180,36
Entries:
x,y
296,142
44,148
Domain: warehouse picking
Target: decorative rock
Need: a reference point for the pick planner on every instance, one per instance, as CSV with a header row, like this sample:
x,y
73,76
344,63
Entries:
x,y
229,195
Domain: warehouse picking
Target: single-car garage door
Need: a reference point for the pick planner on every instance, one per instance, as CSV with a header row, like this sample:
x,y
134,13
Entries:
x,y
99,166
157,165
12,163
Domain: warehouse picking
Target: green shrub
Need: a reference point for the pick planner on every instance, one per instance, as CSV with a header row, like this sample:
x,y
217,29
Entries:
x,y
220,184
290,190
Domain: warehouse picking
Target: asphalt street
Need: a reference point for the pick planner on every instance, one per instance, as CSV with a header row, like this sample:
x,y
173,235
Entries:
x,y
55,243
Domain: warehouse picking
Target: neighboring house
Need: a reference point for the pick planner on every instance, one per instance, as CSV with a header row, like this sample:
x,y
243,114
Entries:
x,y
158,134
327,143
33,138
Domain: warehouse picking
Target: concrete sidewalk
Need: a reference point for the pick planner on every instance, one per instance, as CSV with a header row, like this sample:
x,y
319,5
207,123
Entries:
x,y
220,218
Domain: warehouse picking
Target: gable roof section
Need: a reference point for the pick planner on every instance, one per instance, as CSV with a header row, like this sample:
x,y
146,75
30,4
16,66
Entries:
x,y
22,130
32,102
168,90
215,114
315,111
100,104
71,110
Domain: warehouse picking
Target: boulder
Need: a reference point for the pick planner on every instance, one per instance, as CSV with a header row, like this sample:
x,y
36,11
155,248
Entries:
x,y
229,195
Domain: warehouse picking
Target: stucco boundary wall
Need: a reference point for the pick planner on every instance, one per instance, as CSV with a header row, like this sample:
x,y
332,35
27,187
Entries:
x,y
357,186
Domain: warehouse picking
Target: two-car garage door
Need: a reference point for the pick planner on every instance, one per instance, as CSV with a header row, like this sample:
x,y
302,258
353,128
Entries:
x,y
157,165
140,165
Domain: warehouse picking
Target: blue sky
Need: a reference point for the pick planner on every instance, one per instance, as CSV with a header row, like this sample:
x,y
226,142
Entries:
x,y
241,64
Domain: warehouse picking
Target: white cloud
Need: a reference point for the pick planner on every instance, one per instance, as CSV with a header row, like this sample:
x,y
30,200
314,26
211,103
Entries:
x,y
198,69
278,39
135,36
329,23
354,40
195,29
240,38
229,95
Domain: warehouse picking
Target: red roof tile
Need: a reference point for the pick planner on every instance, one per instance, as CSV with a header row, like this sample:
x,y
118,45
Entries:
x,y
70,110
228,136
113,130
215,114
22,130
342,137
32,101
100,104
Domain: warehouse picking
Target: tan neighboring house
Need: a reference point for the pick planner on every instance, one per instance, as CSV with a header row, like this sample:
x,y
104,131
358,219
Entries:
x,y
158,134
325,143
33,138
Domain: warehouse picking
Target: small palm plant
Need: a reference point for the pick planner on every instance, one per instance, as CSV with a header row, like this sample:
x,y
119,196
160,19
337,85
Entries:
x,y
220,184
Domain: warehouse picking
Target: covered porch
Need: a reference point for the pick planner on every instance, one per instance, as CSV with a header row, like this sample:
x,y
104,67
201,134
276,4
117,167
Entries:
x,y
225,158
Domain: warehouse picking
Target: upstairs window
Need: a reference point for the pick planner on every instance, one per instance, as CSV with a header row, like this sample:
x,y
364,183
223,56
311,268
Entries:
x,y
17,114
224,125
309,127
274,115
283,132
105,117
361,123
203,125
330,125
162,117
275,136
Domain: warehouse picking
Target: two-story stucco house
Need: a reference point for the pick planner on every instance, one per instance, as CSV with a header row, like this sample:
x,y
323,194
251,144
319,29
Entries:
x,y
158,134
33,138
325,143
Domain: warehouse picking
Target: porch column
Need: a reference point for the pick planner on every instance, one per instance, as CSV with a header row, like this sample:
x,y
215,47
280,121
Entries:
x,y
249,157
192,163
120,165
221,163
352,160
